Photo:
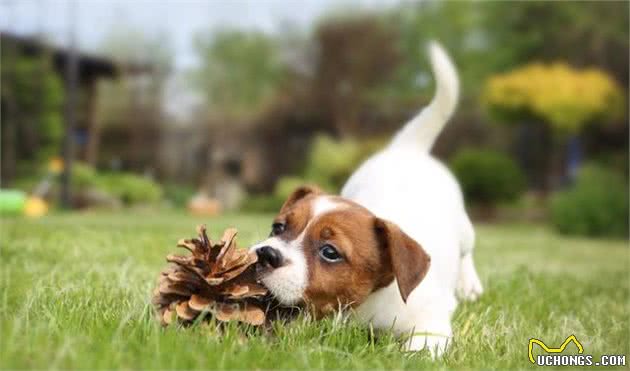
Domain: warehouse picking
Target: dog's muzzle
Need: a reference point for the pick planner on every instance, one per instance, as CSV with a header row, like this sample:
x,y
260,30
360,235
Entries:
x,y
269,257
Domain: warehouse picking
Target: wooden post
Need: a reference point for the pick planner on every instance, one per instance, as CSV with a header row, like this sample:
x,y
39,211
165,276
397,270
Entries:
x,y
72,77
93,127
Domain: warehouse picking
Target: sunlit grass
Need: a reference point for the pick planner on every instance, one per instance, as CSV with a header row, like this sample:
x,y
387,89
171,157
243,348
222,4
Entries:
x,y
74,293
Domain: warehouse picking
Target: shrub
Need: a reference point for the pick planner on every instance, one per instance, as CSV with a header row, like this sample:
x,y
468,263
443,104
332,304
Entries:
x,y
565,97
127,187
261,204
273,202
487,177
330,162
286,185
84,176
178,194
597,205
130,188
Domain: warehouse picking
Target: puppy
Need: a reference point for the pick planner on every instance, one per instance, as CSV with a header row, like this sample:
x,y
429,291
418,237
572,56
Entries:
x,y
396,246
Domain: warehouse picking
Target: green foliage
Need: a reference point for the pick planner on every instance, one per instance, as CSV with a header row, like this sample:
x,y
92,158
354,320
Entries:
x,y
582,32
84,176
272,203
330,162
286,185
130,188
35,91
178,194
419,22
596,206
240,70
486,176
261,203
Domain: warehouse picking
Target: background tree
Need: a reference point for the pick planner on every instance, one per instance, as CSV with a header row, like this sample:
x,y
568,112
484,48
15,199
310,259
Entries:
x,y
240,71
565,99
130,108
32,104
584,33
355,56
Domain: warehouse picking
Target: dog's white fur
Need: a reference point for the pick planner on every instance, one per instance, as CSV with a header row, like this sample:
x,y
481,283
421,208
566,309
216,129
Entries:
x,y
406,185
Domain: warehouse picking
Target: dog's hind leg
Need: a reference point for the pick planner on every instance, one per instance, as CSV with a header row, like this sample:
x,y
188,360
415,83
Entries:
x,y
469,285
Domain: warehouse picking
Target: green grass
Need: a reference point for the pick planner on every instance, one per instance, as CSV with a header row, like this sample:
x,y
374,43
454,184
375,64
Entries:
x,y
75,289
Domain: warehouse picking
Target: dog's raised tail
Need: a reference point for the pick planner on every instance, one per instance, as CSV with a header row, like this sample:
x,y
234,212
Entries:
x,y
425,127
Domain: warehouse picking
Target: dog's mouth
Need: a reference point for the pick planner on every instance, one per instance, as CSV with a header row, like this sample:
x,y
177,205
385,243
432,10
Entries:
x,y
262,270
275,307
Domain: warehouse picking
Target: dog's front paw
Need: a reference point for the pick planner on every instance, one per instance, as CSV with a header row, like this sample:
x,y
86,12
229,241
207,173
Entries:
x,y
435,344
469,288
469,285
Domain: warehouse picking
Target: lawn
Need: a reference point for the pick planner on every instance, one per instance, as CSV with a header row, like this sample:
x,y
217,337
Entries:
x,y
75,289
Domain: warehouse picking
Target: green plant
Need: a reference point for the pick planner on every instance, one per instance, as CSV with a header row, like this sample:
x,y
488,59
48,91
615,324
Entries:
x,y
178,194
286,185
271,203
32,87
240,70
487,177
331,161
261,204
597,205
84,175
130,188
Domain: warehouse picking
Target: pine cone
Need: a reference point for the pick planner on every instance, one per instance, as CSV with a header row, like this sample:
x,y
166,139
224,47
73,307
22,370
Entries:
x,y
216,278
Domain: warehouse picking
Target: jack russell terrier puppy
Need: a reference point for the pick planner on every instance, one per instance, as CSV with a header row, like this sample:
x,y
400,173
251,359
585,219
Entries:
x,y
396,246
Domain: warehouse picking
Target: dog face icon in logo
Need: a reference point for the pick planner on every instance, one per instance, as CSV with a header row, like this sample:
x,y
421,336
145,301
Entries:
x,y
560,349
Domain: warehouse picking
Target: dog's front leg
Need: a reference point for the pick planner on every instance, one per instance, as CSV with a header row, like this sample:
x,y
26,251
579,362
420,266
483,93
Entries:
x,y
436,344
432,331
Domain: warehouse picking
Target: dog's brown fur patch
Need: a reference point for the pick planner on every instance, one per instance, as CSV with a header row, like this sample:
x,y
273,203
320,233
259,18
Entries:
x,y
363,269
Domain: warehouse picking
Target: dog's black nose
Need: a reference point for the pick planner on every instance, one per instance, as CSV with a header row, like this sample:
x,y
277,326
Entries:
x,y
269,255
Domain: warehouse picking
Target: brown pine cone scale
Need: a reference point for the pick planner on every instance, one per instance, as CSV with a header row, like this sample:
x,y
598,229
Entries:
x,y
216,278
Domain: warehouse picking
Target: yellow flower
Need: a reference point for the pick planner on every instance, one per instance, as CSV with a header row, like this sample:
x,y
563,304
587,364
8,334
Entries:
x,y
565,97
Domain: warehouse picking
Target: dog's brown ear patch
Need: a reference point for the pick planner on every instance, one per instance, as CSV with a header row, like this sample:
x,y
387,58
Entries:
x,y
300,193
409,262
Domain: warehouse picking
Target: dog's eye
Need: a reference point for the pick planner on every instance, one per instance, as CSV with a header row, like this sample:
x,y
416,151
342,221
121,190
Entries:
x,y
329,254
277,228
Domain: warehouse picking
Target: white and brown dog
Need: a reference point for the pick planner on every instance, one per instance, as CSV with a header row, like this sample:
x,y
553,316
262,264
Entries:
x,y
396,247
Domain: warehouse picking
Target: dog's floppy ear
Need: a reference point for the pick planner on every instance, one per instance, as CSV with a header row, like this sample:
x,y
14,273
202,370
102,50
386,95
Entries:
x,y
300,193
409,261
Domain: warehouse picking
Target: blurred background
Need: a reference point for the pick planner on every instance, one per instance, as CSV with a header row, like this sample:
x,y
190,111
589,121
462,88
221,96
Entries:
x,y
225,106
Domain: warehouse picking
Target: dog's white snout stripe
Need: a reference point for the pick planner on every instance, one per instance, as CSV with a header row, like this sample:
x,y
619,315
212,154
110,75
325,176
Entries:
x,y
287,282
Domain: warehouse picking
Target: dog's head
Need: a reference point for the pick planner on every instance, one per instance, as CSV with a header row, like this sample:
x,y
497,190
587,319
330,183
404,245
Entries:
x,y
329,252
